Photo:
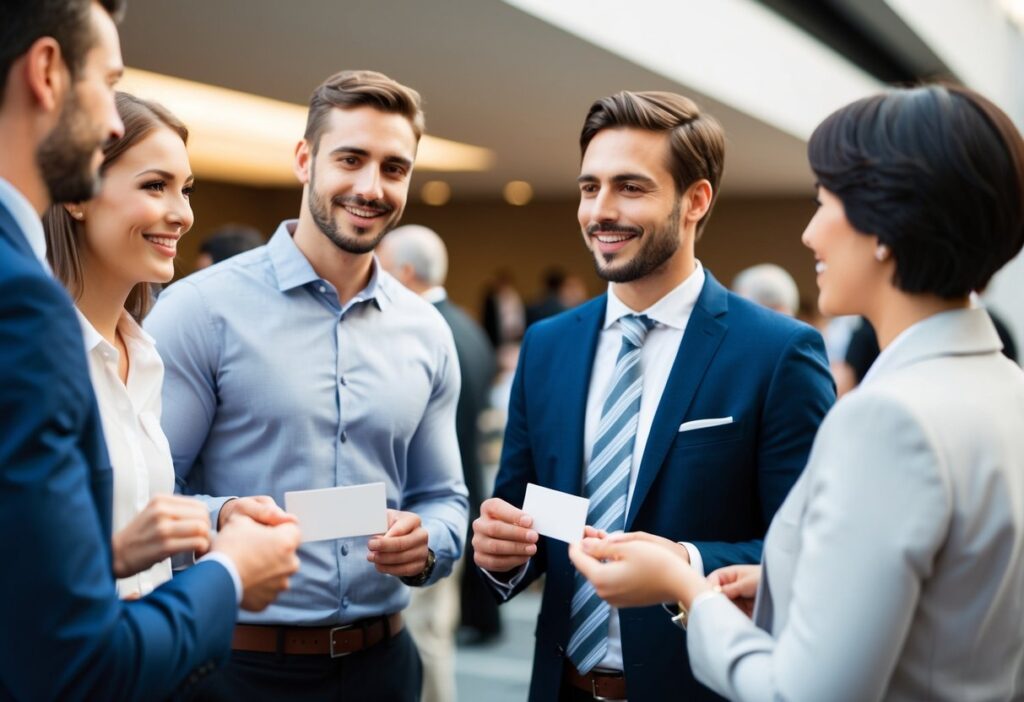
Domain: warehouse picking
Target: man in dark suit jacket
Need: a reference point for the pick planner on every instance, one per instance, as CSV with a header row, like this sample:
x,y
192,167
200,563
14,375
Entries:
x,y
684,412
65,635
418,259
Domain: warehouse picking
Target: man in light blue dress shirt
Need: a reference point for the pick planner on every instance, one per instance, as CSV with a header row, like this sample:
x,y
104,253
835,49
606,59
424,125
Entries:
x,y
303,364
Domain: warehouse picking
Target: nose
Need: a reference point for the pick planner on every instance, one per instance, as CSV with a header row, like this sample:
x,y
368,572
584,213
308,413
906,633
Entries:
x,y
368,184
600,208
180,215
114,125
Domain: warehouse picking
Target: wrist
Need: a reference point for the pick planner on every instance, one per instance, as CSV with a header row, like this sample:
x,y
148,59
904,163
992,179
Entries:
x,y
224,513
119,565
423,576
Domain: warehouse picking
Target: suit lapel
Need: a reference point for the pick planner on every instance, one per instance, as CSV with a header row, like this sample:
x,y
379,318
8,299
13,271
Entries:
x,y
579,347
704,333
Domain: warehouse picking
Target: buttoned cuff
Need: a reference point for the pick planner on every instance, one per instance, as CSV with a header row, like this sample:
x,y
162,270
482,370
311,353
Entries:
x,y
229,565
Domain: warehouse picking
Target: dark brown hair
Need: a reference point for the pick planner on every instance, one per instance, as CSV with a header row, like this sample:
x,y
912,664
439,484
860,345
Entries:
x,y
937,174
697,142
64,233
350,89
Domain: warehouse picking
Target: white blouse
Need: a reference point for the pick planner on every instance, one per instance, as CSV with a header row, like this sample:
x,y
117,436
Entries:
x,y
139,452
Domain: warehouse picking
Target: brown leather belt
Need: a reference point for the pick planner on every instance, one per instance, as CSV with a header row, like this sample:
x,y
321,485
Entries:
x,y
600,685
333,641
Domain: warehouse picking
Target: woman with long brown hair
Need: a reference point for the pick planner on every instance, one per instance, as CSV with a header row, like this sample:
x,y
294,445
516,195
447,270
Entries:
x,y
107,251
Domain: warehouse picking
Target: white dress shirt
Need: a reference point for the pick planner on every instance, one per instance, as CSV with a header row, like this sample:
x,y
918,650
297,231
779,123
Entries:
x,y
671,314
139,452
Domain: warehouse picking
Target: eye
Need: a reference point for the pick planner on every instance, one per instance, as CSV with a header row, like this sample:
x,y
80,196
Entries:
x,y
348,161
632,188
157,186
188,190
588,188
394,170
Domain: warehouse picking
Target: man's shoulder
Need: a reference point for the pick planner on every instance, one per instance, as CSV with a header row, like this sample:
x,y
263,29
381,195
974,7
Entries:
x,y
752,320
225,281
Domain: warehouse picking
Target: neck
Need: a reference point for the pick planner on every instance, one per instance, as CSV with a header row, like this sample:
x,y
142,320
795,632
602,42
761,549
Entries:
x,y
18,163
347,272
102,301
899,311
640,294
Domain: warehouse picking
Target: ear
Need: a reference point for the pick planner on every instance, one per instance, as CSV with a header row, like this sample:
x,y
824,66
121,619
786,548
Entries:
x,y
46,74
698,201
74,209
303,159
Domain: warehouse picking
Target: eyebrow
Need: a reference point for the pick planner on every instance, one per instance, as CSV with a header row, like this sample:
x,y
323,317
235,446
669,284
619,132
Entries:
x,y
621,178
356,151
166,175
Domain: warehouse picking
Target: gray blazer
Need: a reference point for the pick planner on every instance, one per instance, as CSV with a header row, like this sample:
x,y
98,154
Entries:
x,y
895,568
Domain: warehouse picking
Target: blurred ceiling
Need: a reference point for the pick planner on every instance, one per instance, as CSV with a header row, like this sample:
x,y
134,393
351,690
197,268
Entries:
x,y
490,75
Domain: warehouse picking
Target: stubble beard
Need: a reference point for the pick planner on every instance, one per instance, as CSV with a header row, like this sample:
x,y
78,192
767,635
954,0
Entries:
x,y
320,211
65,157
655,251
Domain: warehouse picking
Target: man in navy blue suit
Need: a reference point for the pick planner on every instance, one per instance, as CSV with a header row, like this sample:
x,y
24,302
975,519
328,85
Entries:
x,y
683,412
64,633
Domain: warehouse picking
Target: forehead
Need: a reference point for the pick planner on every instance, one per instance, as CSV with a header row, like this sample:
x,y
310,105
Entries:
x,y
161,149
105,52
382,134
626,150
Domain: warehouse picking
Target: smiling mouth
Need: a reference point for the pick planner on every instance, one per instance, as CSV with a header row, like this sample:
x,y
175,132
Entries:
x,y
613,237
363,212
168,241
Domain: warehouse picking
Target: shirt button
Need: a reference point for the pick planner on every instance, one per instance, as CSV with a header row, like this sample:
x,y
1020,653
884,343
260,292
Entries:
x,y
344,549
345,602
343,437
323,288
341,379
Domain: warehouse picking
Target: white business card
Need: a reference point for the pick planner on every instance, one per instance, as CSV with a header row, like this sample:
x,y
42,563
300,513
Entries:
x,y
339,512
558,515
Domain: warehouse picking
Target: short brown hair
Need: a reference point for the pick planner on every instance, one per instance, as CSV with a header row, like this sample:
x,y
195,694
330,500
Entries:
x,y
697,142
64,233
350,89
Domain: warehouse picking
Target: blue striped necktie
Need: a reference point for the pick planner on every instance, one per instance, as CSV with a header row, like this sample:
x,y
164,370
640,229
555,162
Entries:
x,y
607,486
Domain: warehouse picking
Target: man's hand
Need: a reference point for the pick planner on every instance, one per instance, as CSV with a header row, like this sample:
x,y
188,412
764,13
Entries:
x,y
502,537
402,549
626,536
738,583
264,556
259,508
169,524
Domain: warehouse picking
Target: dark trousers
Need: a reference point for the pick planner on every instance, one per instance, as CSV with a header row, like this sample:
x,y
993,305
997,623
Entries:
x,y
391,671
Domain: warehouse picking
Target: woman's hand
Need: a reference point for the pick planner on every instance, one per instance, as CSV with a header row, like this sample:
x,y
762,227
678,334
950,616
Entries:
x,y
636,572
738,583
169,524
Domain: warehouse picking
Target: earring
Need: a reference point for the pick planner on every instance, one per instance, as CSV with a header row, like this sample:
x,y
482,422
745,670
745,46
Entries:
x,y
78,215
882,253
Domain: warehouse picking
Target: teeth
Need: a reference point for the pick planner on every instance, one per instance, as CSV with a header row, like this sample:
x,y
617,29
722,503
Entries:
x,y
163,241
614,239
362,213
820,267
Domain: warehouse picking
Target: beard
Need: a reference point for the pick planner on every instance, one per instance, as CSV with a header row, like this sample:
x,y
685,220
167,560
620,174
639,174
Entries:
x,y
357,243
656,249
65,157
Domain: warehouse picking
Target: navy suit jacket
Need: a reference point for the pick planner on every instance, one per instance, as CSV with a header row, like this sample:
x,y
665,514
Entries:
x,y
64,634
716,487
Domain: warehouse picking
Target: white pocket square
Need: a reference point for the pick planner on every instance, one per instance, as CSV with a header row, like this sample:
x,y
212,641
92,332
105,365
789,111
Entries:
x,y
704,423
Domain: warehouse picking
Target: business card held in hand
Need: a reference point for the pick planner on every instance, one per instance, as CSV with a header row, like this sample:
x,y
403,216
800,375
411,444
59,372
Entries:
x,y
339,512
558,515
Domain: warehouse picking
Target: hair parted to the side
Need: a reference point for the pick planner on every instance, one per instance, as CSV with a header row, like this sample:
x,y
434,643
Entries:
x,y
23,22
937,174
351,89
696,139
64,234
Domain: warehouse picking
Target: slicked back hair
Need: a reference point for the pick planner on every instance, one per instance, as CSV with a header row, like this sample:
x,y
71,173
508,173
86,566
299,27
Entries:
x,y
351,89
696,139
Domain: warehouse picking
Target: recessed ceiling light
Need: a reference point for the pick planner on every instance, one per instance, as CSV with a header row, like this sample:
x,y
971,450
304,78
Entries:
x,y
518,192
436,192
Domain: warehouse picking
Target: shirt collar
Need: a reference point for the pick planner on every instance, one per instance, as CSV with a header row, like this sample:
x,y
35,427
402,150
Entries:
x,y
673,310
26,218
435,294
292,269
126,325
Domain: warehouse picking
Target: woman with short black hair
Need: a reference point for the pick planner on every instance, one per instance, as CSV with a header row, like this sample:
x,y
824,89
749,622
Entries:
x,y
895,568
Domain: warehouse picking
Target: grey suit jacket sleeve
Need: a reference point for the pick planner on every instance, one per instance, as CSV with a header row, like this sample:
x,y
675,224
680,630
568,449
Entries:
x,y
877,506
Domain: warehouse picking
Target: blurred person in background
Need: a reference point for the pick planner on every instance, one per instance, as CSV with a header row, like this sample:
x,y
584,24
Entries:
x,y
227,241
768,285
418,259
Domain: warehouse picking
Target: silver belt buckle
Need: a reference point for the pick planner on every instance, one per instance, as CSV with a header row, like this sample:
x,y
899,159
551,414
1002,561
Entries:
x,y
344,627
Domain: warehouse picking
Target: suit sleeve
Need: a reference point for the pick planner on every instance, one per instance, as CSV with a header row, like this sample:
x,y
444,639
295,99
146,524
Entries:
x,y
799,395
66,635
517,466
876,517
